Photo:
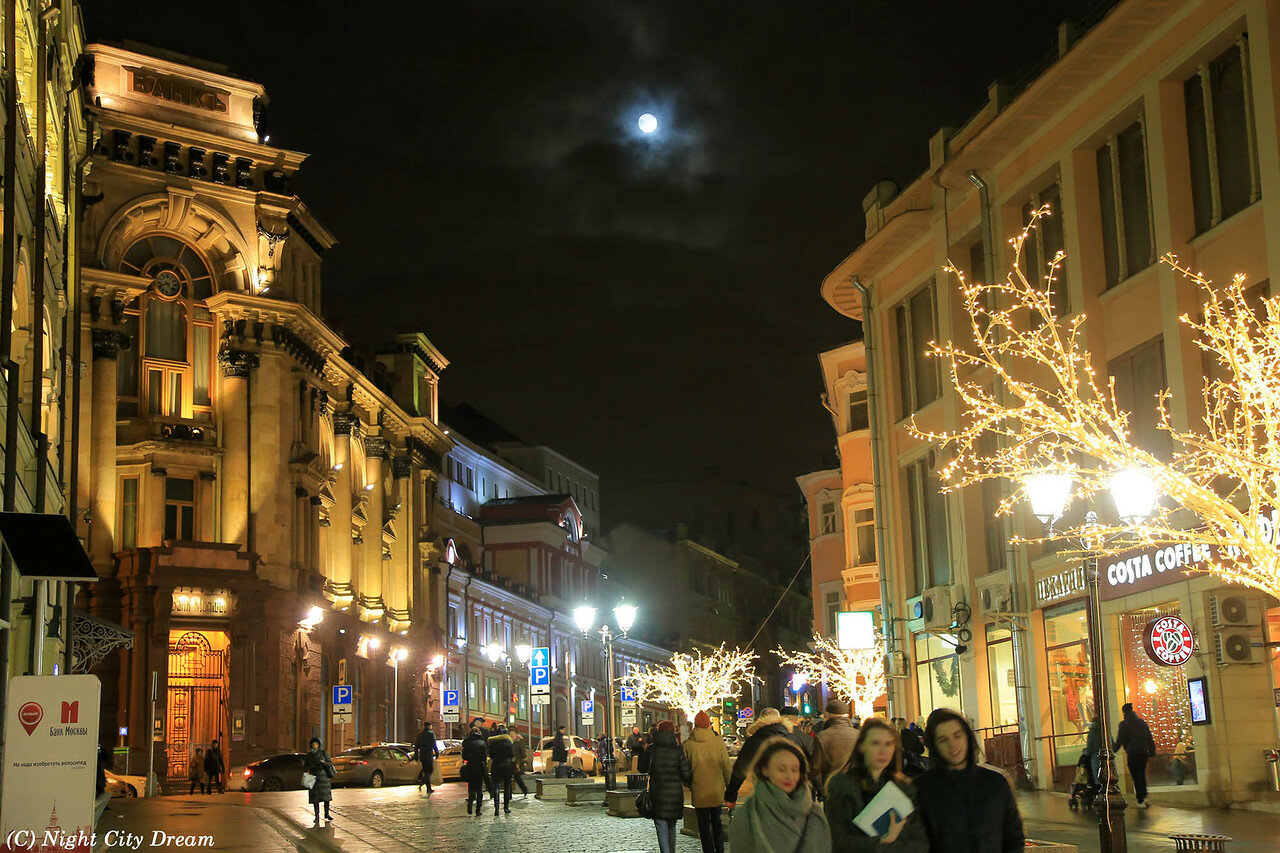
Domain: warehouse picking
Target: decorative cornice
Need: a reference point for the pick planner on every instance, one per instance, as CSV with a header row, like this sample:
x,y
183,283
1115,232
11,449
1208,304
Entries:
x,y
377,447
107,343
345,423
305,233
422,453
402,466
236,362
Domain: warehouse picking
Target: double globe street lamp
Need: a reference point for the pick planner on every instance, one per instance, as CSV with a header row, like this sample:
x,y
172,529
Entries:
x,y
495,653
1135,496
625,615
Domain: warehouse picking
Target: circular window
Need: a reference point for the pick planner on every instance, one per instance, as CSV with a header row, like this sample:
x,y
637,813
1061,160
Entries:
x,y
154,256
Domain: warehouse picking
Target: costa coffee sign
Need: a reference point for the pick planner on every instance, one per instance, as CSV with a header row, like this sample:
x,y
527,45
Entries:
x,y
1168,641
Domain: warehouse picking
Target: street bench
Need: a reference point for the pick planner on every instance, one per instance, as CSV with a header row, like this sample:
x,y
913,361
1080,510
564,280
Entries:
x,y
622,803
553,789
580,793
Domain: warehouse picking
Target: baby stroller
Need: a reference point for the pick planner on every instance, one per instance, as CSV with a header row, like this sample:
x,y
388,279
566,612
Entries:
x,y
1083,790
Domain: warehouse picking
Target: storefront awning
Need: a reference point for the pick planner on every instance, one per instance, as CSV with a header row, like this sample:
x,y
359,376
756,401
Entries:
x,y
45,547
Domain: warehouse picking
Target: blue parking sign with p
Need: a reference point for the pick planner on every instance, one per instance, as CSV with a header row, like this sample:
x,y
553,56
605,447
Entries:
x,y
540,675
342,694
450,698
588,707
628,694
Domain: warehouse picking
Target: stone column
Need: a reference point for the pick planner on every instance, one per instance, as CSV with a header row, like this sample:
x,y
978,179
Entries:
x,y
102,447
234,407
270,490
396,584
377,449
338,539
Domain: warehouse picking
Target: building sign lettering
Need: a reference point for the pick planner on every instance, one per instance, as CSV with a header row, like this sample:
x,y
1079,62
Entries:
x,y
201,602
179,90
1061,584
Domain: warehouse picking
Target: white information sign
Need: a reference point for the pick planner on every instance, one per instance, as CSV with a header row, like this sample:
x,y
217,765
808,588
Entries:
x,y
628,713
342,715
449,707
50,762
540,698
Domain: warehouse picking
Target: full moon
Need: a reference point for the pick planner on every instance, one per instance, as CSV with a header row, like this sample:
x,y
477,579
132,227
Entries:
x,y
648,123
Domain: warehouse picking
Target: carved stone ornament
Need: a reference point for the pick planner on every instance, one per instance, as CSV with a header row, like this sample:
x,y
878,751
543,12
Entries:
x,y
271,238
108,344
92,639
236,362
377,447
402,467
344,423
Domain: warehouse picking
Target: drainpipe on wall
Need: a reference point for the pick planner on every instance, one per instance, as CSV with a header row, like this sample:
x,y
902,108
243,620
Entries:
x,y
887,620
464,684
1018,630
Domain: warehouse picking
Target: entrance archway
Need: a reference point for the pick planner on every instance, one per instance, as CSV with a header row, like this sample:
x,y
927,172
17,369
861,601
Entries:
x,y
196,704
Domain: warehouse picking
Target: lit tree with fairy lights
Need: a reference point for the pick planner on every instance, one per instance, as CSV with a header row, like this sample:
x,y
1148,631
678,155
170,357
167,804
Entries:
x,y
855,675
1030,383
698,681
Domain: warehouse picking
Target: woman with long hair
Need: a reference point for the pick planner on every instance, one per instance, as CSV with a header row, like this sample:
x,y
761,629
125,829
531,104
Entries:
x,y
668,774
780,816
876,761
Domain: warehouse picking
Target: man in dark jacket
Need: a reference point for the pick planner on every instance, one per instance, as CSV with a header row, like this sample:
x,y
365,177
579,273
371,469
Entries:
x,y
502,764
967,808
635,743
214,767
425,753
768,724
833,745
473,772
522,759
1134,736
559,748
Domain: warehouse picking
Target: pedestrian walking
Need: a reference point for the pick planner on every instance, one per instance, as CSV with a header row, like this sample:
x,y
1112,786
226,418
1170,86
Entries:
x,y
425,752
522,759
502,767
475,754
559,750
214,768
966,808
780,816
833,745
642,763
711,768
635,743
198,778
913,763
801,738
1133,735
768,724
668,774
1093,751
875,760
317,763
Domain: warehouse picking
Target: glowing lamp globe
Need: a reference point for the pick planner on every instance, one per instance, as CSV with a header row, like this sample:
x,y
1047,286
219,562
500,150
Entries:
x,y
1134,493
1048,494
523,651
648,123
493,651
625,614
585,617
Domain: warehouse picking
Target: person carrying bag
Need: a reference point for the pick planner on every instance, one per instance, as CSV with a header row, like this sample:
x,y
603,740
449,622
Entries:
x,y
321,769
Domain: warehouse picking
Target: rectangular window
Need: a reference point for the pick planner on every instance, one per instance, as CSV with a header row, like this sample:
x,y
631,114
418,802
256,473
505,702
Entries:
x,y
992,525
179,509
127,372
1125,207
857,410
920,381
927,519
201,370
1004,701
864,536
828,517
833,607
473,691
1220,137
937,673
1139,376
492,696
129,512
1043,245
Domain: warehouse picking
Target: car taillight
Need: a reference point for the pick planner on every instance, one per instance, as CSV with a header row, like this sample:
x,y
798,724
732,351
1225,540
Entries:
x,y
247,772
362,762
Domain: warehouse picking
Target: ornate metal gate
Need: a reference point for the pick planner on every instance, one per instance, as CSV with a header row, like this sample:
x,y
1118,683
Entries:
x,y
197,698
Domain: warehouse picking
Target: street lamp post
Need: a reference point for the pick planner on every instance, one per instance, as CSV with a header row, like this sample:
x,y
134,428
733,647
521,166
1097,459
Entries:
x,y
625,615
397,655
523,652
1135,497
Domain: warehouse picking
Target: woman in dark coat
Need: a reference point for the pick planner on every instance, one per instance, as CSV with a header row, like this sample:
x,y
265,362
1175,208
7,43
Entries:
x,y
669,772
474,756
646,744
317,763
876,761
502,765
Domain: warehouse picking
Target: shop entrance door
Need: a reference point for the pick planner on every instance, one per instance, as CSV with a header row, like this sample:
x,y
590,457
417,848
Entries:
x,y
196,706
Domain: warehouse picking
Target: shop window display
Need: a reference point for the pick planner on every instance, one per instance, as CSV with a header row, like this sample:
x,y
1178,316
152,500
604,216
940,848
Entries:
x,y
1004,701
937,674
1066,639
1159,696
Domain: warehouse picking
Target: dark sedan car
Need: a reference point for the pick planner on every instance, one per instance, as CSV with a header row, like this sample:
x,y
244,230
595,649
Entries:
x,y
278,773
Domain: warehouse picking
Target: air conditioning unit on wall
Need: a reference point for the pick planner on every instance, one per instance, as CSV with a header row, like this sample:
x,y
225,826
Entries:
x,y
936,603
1228,610
995,596
1238,647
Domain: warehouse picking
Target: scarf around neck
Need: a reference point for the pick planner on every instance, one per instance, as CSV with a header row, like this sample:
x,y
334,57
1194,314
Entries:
x,y
778,821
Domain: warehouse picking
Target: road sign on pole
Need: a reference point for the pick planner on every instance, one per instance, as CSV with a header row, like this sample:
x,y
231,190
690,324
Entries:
x,y
342,694
628,714
540,656
588,712
540,680
342,715
540,698
628,694
449,706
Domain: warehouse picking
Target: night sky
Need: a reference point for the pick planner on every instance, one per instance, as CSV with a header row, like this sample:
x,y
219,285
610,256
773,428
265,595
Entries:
x,y
647,305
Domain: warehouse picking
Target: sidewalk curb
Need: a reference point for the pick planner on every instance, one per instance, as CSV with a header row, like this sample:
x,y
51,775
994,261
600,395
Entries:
x,y
298,834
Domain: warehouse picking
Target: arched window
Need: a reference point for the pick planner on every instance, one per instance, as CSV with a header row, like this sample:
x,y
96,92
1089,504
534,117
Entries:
x,y
169,370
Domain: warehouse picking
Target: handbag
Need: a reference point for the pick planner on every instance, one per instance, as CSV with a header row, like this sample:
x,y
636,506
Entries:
x,y
644,801
308,780
437,775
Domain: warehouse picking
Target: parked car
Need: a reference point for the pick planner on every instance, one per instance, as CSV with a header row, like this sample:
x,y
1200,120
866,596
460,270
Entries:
x,y
375,766
277,773
120,785
450,762
581,756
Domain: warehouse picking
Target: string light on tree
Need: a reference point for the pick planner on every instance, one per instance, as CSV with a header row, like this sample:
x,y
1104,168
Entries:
x,y
855,675
1050,414
698,681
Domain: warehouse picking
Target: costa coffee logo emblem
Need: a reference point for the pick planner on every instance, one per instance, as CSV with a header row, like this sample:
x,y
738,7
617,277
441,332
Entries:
x,y
1169,641
30,715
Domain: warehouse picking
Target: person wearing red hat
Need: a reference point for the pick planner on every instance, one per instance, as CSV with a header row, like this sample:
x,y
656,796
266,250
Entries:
x,y
711,768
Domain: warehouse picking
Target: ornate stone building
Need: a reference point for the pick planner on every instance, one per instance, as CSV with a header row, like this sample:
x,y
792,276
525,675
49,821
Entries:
x,y
260,495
